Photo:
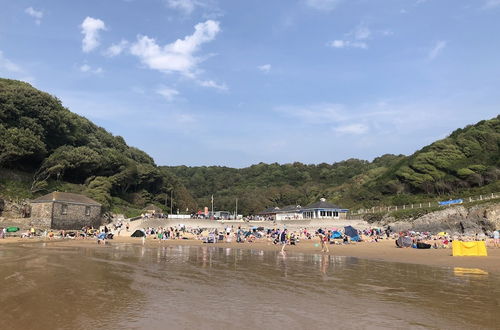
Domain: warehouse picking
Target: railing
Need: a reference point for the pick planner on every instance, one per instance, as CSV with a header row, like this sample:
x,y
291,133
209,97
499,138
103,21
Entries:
x,y
466,200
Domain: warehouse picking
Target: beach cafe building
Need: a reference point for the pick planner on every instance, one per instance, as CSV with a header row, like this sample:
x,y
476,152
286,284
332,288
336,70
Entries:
x,y
318,210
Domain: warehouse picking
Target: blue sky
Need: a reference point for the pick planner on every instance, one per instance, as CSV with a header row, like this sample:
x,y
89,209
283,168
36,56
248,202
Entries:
x,y
234,83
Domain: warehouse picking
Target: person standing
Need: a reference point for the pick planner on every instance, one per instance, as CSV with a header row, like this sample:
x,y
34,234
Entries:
x,y
283,240
323,241
496,238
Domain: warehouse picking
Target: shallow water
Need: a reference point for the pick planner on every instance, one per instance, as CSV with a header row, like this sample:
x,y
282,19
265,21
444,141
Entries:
x,y
46,286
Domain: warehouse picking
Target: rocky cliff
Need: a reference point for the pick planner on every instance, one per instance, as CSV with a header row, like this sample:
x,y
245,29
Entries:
x,y
457,219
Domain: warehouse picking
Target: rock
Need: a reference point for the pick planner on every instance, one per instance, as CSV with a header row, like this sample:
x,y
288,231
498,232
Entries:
x,y
478,219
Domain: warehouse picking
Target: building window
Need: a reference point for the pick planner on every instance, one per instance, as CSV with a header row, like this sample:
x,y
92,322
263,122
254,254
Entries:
x,y
336,214
64,209
87,210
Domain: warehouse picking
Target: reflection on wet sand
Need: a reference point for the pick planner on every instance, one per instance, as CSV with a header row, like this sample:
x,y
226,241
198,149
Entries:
x,y
131,286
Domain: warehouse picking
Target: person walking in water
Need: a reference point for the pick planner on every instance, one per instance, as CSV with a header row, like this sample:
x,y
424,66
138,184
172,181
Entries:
x,y
323,241
283,240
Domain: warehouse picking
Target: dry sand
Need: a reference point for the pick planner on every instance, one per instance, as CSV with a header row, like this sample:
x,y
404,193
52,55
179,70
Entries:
x,y
384,250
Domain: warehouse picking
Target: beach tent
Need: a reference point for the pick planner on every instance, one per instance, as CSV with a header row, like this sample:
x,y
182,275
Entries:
x,y
469,248
404,242
138,233
336,234
352,233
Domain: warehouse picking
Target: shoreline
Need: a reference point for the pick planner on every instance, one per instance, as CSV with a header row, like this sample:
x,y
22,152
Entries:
x,y
384,250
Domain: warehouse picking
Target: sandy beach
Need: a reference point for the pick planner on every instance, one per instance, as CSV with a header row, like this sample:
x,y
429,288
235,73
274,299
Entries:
x,y
384,250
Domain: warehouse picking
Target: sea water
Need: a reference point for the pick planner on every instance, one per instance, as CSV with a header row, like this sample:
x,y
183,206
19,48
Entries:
x,y
116,286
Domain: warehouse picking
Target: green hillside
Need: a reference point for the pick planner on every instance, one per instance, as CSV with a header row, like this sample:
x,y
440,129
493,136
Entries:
x,y
44,147
465,163
48,147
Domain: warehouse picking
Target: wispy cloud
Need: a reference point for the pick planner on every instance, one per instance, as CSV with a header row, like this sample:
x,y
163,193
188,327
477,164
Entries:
x,y
36,14
489,4
116,49
88,69
266,68
8,65
356,129
347,44
358,37
212,84
168,93
90,29
324,5
185,6
361,32
437,49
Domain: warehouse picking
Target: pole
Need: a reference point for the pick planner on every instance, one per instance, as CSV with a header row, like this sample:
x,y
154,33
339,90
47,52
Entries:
x,y
236,211
172,201
212,205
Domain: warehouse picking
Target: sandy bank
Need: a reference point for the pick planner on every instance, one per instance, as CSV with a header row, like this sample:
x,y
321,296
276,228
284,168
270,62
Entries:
x,y
384,251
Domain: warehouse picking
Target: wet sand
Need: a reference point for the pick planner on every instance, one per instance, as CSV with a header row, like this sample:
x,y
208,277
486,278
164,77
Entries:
x,y
384,250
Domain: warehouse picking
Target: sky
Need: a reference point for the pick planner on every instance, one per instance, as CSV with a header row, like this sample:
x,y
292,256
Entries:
x,y
235,83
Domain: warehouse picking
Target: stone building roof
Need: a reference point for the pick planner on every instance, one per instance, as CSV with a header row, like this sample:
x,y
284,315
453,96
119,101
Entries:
x,y
152,207
58,196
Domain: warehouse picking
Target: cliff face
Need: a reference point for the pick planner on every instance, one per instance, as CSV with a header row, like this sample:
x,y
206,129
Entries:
x,y
458,219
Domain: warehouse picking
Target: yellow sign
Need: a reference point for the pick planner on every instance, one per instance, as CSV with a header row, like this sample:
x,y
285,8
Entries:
x,y
469,248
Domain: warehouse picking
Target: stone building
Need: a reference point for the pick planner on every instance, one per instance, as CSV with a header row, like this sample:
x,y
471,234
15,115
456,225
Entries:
x,y
61,210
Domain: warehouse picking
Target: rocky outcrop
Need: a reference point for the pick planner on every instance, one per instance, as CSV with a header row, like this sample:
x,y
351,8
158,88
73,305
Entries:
x,y
456,219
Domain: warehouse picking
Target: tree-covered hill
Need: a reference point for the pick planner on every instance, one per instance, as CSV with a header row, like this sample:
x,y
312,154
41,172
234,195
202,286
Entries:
x,y
466,162
40,137
44,146
469,157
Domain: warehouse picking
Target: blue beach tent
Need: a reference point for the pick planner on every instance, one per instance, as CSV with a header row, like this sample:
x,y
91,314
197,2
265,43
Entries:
x,y
336,234
352,233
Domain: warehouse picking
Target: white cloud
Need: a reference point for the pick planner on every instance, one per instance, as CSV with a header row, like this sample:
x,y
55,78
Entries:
x,y
8,65
326,5
357,129
316,114
88,69
357,38
178,56
437,49
347,44
116,49
212,84
362,32
90,29
168,93
186,6
266,68
36,14
491,4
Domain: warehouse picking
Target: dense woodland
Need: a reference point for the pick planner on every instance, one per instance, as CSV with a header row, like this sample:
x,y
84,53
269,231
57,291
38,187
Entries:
x,y
44,146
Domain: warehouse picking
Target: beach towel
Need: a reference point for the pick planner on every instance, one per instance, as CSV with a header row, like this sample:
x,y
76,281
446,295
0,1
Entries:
x,y
469,248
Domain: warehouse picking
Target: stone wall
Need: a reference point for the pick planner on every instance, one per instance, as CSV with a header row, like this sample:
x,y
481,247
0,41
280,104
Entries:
x,y
41,214
75,217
